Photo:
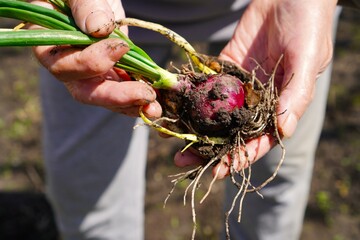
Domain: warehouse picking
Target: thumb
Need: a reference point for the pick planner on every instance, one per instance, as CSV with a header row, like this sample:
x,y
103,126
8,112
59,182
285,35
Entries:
x,y
93,17
296,94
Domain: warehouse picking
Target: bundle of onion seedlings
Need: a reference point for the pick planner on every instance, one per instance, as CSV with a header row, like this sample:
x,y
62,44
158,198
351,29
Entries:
x,y
214,105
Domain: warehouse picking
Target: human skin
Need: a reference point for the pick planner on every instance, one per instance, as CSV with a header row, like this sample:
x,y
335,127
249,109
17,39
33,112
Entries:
x,y
300,31
88,73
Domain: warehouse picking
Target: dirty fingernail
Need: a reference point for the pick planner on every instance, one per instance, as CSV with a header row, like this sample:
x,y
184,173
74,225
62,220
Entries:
x,y
99,24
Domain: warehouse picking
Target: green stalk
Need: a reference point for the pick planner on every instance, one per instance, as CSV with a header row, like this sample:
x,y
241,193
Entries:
x,y
162,78
64,32
35,18
61,6
131,44
38,15
27,38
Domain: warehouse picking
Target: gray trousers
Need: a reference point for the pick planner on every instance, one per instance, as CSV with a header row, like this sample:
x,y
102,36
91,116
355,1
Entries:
x,y
95,165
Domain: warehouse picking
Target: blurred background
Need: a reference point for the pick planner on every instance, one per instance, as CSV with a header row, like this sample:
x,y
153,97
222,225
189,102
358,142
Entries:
x,y
334,206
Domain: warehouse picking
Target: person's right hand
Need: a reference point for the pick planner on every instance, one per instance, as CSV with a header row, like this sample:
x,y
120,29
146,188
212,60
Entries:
x,y
88,73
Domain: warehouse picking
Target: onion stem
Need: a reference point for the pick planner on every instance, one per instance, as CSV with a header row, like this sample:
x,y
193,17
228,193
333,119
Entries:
x,y
26,38
172,36
193,138
38,15
63,31
61,6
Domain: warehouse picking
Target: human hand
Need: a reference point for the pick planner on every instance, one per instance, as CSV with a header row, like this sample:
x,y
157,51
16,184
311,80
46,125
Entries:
x,y
301,31
88,73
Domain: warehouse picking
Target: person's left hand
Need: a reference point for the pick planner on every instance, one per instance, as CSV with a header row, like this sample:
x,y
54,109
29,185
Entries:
x,y
302,32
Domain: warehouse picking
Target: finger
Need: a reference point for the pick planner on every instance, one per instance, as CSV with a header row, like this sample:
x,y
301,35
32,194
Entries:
x,y
222,169
244,156
69,63
187,158
129,111
94,17
153,110
257,148
110,93
296,94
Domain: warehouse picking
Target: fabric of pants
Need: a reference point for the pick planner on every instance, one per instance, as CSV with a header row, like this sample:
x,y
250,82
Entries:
x,y
95,165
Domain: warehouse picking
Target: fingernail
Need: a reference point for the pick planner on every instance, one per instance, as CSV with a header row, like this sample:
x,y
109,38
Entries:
x,y
287,129
99,24
149,93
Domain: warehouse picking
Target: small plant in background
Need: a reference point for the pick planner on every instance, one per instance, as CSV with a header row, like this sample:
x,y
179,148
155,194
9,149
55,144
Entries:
x,y
324,203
